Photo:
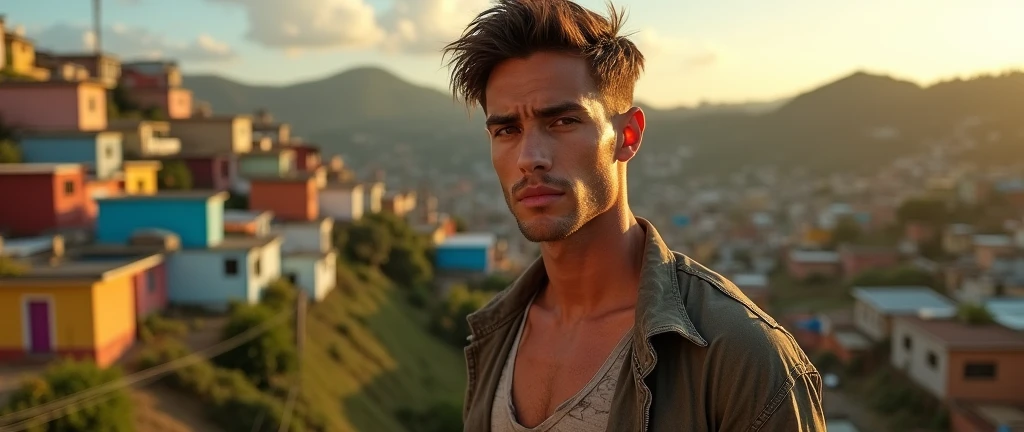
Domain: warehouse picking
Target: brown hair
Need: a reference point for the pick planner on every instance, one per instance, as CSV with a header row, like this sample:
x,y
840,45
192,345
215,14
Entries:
x,y
518,28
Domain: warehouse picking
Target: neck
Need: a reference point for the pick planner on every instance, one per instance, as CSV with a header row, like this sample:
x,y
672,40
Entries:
x,y
597,269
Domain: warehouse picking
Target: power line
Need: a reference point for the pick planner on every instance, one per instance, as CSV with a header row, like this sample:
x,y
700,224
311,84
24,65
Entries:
x,y
18,419
293,394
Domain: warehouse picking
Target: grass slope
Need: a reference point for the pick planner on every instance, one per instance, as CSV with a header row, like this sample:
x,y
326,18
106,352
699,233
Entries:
x,y
369,354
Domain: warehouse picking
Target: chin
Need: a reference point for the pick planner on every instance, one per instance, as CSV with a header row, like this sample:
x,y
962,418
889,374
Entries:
x,y
546,229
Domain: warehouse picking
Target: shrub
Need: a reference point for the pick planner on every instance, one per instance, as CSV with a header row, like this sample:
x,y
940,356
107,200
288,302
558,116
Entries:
x,y
270,354
156,326
279,295
112,413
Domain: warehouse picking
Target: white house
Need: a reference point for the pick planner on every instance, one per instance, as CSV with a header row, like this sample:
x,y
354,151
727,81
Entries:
x,y
308,257
875,307
342,201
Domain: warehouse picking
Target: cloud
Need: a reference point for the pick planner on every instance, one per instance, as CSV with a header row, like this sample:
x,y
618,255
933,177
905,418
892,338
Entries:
x,y
312,24
129,42
409,26
675,54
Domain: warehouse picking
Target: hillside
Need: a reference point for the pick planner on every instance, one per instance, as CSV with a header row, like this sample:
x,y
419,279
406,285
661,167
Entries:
x,y
373,117
370,355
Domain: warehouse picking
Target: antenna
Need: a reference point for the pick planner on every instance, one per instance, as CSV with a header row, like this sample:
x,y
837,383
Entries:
x,y
96,26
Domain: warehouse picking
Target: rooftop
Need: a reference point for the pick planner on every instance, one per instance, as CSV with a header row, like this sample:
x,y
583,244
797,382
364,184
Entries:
x,y
172,195
993,240
315,222
53,83
38,168
84,267
1008,312
959,336
750,280
813,256
307,254
906,300
470,240
245,216
293,176
64,133
210,119
239,242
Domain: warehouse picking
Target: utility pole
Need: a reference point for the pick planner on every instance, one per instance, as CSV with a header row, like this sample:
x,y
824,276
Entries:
x,y
96,26
301,302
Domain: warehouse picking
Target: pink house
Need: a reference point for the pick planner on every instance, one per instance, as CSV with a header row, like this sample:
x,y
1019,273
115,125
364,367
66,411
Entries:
x,y
858,259
54,105
150,291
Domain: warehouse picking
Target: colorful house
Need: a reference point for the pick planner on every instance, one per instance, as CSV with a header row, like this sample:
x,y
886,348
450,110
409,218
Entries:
x,y
957,361
806,264
140,177
876,307
21,56
958,238
144,138
988,247
100,151
308,258
157,85
270,163
264,126
209,171
96,188
3,43
342,201
197,217
292,197
58,194
375,197
859,259
307,156
472,253
54,105
104,67
210,269
203,135
80,307
249,223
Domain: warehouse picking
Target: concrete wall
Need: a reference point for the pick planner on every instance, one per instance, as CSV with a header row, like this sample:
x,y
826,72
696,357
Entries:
x,y
342,204
197,277
269,258
870,321
316,275
305,237
914,362
199,223
92,108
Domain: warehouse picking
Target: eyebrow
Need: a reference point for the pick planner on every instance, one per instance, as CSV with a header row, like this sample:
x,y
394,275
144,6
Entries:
x,y
545,112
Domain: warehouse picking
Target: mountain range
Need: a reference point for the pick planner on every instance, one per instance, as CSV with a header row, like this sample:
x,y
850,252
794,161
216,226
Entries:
x,y
368,114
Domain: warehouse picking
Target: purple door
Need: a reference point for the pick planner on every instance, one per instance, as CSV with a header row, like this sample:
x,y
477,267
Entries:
x,y
39,327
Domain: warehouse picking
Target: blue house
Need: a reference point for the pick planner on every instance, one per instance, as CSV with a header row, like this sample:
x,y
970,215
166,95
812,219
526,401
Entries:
x,y
209,269
100,151
195,216
467,253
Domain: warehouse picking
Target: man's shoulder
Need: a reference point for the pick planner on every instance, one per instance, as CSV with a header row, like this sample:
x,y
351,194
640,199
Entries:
x,y
730,322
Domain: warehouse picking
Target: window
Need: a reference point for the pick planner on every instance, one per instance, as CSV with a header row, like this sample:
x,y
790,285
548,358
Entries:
x,y
906,342
69,187
256,267
293,278
109,151
141,184
980,370
933,360
231,266
92,104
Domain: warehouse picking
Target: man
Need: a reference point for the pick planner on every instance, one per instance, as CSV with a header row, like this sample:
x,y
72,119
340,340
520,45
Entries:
x,y
609,329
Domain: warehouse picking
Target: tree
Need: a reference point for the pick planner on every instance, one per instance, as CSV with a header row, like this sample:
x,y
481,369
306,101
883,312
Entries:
x,y
368,243
847,230
895,276
407,266
111,413
280,295
974,314
926,210
175,176
261,359
9,152
460,224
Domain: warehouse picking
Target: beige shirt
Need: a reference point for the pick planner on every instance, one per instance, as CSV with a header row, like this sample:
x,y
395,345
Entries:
x,y
586,411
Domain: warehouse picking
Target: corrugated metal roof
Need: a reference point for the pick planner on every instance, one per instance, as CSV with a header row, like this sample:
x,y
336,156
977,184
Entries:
x,y
904,300
1008,312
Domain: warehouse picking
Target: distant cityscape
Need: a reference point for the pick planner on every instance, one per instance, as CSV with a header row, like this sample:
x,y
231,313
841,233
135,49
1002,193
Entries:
x,y
125,197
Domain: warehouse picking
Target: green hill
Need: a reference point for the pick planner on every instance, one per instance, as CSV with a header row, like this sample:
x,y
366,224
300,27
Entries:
x,y
369,355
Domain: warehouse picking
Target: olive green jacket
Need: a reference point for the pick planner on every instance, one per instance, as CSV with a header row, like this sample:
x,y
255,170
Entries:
x,y
703,356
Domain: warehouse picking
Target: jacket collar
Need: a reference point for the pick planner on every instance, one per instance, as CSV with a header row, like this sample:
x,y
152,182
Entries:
x,y
659,307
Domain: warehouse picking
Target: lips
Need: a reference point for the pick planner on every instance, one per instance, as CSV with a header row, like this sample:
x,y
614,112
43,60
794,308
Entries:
x,y
538,196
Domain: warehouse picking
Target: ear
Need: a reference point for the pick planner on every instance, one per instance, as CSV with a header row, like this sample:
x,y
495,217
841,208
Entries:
x,y
631,129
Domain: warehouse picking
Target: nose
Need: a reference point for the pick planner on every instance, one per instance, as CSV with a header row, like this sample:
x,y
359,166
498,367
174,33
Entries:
x,y
535,152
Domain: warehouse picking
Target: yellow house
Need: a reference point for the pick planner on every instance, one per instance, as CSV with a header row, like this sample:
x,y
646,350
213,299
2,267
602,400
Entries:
x,y
80,308
20,56
140,177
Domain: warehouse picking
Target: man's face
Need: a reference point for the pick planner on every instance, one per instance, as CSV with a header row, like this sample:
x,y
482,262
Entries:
x,y
553,144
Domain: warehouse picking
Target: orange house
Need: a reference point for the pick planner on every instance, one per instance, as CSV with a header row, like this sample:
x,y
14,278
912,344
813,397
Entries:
x,y
291,197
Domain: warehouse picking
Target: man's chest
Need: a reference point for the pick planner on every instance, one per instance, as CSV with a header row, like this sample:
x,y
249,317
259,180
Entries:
x,y
551,367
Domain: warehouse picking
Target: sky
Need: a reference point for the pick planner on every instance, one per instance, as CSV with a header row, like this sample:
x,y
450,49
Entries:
x,y
721,51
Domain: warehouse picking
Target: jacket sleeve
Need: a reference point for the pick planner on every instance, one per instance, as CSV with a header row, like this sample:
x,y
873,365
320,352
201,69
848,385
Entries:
x,y
795,408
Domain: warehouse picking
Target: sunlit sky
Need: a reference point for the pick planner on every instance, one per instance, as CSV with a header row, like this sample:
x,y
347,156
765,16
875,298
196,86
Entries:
x,y
718,51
